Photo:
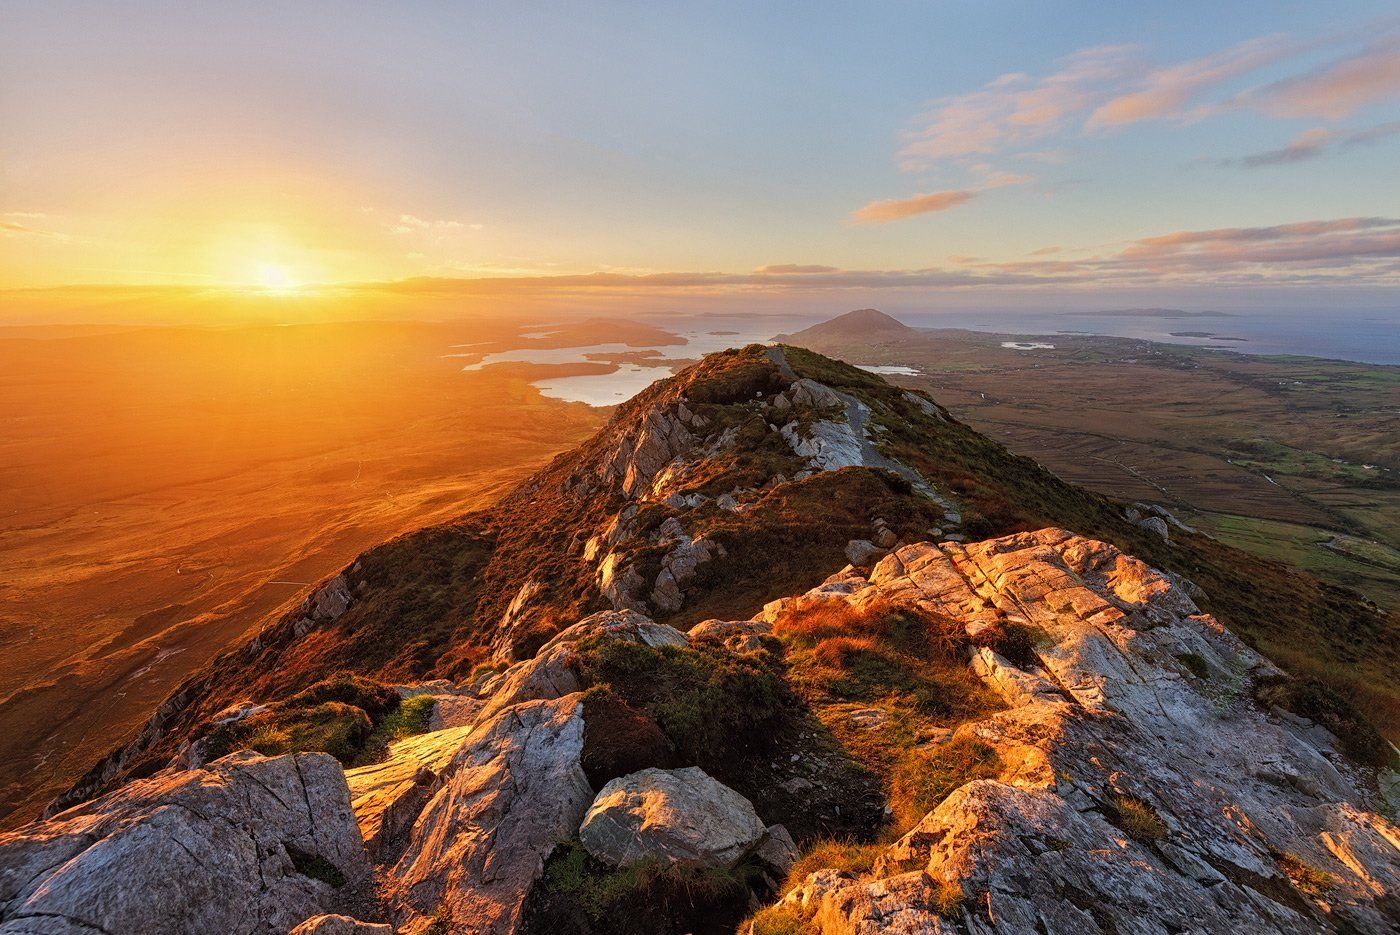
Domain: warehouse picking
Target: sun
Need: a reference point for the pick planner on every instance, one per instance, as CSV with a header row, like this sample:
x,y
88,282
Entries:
x,y
275,278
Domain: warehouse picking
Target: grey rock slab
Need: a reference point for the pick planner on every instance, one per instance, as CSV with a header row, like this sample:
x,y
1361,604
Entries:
x,y
510,795
677,816
248,844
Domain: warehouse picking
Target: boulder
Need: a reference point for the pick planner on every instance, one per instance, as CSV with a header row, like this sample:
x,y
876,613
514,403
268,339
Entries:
x,y
862,553
777,850
249,844
677,816
510,795
738,636
1155,525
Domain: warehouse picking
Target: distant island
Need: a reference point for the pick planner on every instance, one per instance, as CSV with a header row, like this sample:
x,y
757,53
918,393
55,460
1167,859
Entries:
x,y
1155,313
1204,334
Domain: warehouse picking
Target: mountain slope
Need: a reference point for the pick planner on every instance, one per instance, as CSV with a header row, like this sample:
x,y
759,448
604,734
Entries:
x,y
643,606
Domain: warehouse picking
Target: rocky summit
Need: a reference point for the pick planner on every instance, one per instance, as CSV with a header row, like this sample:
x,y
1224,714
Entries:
x,y
782,649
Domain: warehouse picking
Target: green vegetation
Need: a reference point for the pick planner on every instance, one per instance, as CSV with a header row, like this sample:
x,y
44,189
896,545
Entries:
x,y
1195,663
441,923
1137,819
331,727
1317,701
409,718
1370,567
353,719
838,854
923,778
908,664
777,919
713,706
581,894
1308,879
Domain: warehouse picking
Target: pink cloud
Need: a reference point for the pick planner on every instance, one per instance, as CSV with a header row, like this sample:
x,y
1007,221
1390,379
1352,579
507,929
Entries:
x,y
1341,251
1165,92
882,212
1337,89
1016,108
782,269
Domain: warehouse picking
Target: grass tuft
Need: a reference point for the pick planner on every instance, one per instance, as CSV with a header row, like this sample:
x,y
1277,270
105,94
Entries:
x,y
1138,819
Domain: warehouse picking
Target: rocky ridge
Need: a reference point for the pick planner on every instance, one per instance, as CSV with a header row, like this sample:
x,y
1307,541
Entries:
x,y
605,746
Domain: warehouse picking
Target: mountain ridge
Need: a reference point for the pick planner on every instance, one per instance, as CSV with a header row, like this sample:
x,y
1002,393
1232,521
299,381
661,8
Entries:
x,y
815,561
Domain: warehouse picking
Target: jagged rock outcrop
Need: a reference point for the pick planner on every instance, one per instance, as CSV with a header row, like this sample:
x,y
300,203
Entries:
x,y
513,793
249,844
674,816
1138,786
1142,788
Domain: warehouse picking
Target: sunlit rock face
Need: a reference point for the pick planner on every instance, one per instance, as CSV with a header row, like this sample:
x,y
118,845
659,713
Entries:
x,y
247,844
1143,788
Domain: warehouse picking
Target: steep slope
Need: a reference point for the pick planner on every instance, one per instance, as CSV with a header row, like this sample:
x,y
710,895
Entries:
x,y
722,629
741,479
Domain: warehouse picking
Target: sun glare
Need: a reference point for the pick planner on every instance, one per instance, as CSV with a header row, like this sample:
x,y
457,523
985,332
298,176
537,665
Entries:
x,y
275,279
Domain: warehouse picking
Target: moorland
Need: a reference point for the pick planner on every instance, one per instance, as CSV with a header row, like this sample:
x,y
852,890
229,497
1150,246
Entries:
x,y
1293,458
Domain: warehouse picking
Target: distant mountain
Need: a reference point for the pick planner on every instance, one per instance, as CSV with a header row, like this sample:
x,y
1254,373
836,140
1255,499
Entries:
x,y
781,634
862,324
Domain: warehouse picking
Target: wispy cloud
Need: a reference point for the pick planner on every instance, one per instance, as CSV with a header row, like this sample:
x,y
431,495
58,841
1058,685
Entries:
x,y
794,269
1016,109
411,224
1110,87
19,224
1171,93
1338,89
882,212
1341,251
1310,144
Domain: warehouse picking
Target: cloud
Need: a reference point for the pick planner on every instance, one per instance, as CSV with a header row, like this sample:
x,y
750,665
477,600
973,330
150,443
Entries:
x,y
1337,89
10,227
1306,145
1336,252
1015,109
1310,144
1109,87
412,224
794,269
882,212
1165,93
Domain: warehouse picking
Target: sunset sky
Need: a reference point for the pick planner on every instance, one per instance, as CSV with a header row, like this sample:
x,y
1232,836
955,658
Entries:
x,y
970,151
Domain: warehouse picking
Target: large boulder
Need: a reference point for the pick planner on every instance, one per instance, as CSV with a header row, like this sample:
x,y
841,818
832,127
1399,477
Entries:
x,y
676,816
510,795
249,844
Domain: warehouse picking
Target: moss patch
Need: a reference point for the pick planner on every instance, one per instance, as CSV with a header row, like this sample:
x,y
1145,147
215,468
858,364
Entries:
x,y
579,895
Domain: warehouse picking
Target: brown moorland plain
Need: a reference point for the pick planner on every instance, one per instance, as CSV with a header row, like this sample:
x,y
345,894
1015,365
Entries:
x,y
167,488
1293,458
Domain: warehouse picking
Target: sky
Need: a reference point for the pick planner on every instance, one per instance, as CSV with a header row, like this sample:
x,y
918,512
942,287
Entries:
x,y
1037,154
